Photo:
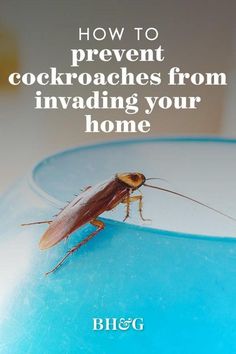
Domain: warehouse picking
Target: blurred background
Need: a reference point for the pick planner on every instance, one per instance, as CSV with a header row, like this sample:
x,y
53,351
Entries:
x,y
197,36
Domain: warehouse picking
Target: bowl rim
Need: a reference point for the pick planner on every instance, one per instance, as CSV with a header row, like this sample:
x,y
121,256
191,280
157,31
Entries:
x,y
163,139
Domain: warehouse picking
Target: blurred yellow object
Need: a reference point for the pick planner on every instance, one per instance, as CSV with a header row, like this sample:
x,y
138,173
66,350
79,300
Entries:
x,y
9,57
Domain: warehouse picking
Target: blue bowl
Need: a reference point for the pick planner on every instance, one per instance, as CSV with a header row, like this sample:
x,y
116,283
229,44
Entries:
x,y
177,273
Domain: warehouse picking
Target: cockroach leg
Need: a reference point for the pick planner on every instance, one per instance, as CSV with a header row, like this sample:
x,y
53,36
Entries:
x,y
127,202
100,226
37,223
140,208
85,189
134,198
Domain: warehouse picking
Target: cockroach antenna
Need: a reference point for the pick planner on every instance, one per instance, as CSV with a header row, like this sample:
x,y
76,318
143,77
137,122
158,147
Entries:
x,y
189,198
160,179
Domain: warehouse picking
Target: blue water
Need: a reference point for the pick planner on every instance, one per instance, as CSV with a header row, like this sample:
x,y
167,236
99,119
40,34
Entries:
x,y
182,286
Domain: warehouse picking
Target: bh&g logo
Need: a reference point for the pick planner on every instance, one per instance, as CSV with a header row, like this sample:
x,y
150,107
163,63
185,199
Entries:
x,y
117,324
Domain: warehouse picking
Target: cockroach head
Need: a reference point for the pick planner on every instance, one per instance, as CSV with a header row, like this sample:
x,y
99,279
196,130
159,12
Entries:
x,y
133,180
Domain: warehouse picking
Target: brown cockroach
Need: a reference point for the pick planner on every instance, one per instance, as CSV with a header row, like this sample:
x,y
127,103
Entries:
x,y
92,202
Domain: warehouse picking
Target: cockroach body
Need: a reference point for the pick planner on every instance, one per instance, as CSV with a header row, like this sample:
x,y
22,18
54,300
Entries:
x,y
92,202
87,206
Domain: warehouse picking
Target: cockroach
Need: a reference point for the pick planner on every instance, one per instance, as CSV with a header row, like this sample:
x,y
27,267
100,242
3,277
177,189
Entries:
x,y
92,202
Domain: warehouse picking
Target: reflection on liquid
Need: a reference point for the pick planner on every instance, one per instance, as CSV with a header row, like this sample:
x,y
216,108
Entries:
x,y
15,260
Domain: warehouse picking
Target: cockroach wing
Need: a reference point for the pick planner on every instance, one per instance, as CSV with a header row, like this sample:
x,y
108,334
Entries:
x,y
84,208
